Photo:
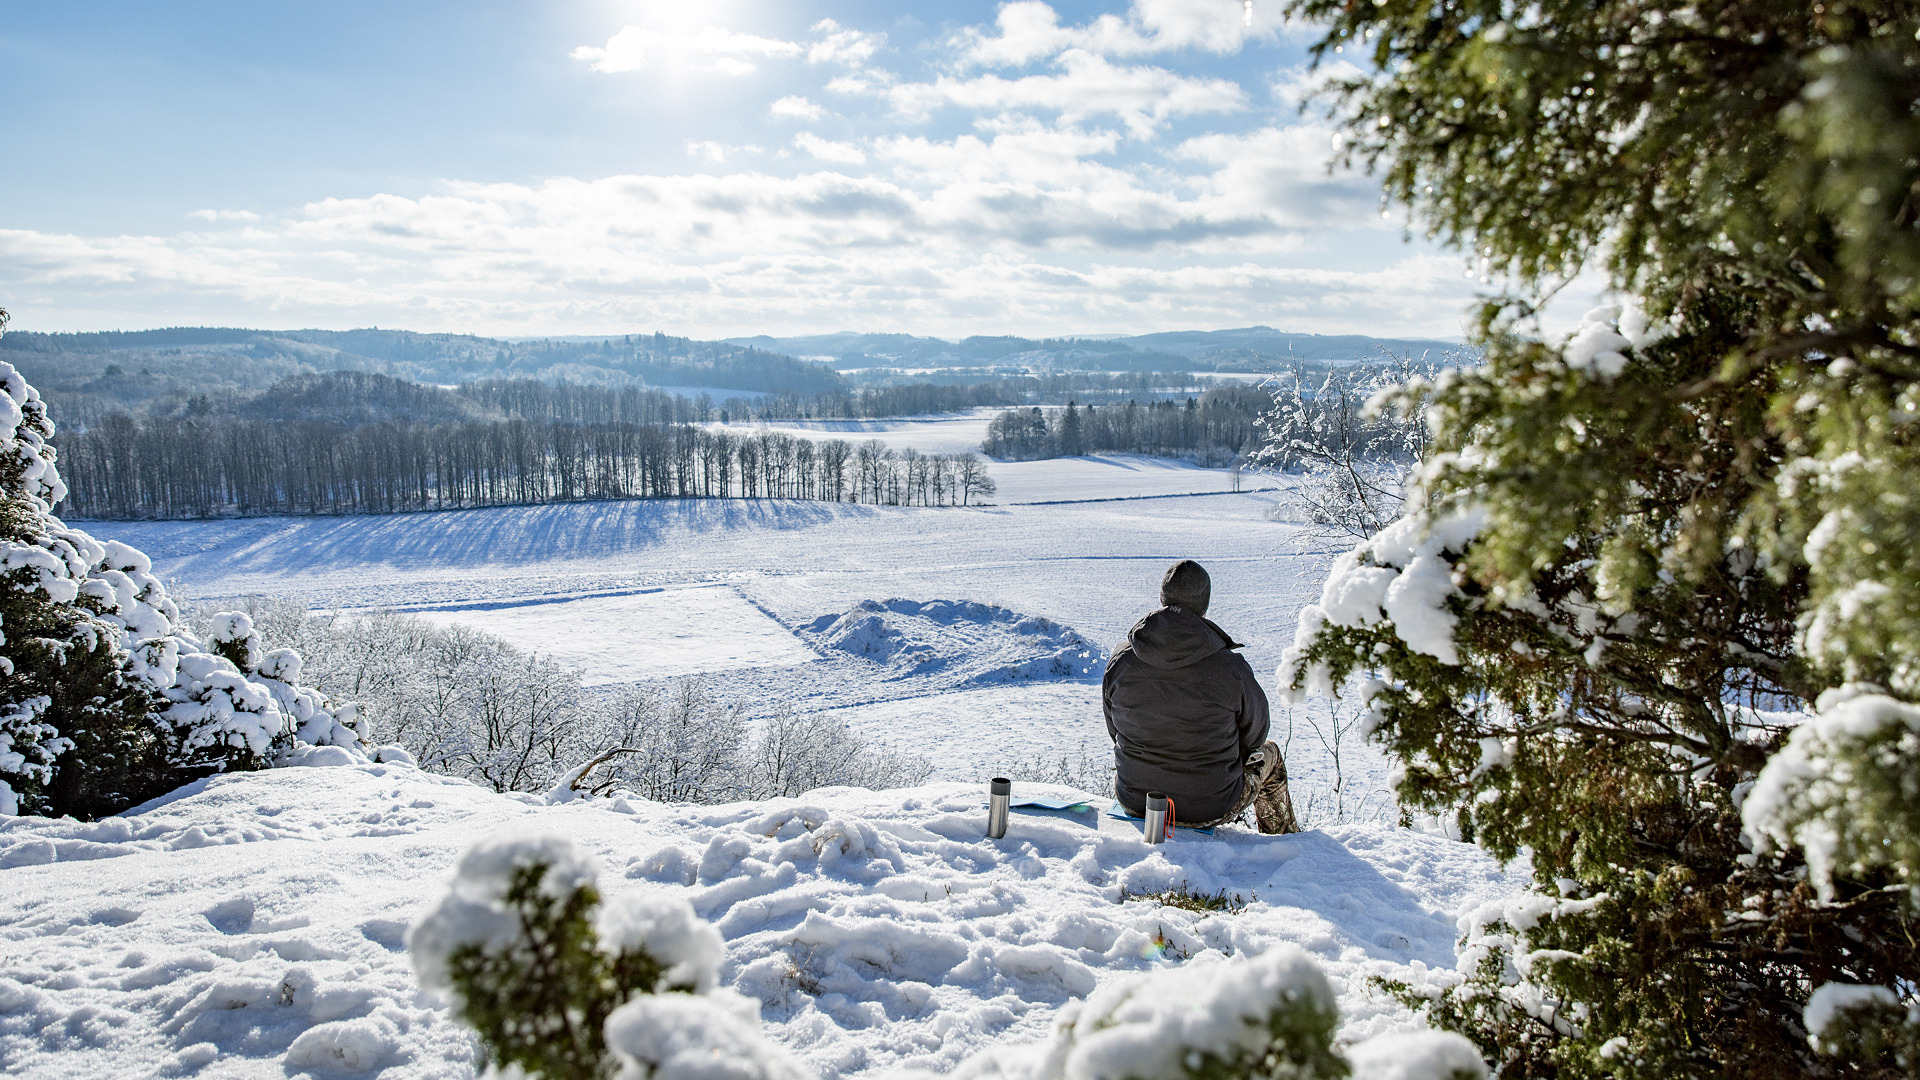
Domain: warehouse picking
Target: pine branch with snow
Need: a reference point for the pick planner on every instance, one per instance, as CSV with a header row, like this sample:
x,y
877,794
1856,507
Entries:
x,y
566,988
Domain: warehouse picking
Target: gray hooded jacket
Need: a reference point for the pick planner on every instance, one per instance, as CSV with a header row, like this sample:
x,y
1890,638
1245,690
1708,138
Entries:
x,y
1184,711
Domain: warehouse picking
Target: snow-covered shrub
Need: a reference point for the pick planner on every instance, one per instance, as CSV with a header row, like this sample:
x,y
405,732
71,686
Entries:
x,y
465,703
1273,1015
524,721
106,698
796,754
1830,793
1865,1024
686,746
1568,647
565,988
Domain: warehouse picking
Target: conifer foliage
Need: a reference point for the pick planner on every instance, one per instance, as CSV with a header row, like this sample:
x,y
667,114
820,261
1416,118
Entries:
x,y
1654,617
566,988
105,699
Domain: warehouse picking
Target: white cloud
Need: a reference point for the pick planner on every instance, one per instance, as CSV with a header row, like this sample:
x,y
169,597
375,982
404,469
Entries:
x,y
224,215
1281,172
1298,85
710,48
726,51
796,107
509,277
851,84
1029,30
1094,193
1088,85
842,46
827,150
1023,226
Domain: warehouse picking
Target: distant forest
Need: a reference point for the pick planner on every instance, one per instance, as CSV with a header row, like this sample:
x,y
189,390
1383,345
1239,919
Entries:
x,y
1219,426
182,371
173,468
205,423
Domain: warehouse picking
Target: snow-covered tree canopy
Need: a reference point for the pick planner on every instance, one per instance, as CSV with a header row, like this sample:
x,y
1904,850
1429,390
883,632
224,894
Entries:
x,y
106,699
1640,556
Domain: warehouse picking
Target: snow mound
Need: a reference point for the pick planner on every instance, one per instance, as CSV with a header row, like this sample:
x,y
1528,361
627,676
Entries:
x,y
956,642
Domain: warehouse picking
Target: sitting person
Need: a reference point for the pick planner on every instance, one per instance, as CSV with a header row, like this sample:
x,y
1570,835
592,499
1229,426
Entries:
x,y
1188,719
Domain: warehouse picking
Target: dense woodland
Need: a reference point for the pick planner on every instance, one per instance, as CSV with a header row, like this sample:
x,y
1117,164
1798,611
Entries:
x,y
1219,424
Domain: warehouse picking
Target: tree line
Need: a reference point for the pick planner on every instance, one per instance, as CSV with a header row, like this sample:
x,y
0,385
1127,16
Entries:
x,y
915,399
1223,422
200,467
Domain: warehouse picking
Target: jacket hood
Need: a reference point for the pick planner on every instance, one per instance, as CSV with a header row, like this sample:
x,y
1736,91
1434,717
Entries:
x,y
1173,637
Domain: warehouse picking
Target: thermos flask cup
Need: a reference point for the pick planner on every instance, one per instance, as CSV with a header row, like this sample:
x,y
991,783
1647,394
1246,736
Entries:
x,y
999,800
1156,817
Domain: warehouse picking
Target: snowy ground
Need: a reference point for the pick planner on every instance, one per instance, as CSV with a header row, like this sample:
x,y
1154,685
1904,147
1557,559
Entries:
x,y
693,630
254,925
254,928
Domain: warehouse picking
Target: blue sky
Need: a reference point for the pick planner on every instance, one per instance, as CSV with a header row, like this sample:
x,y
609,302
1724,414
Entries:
x,y
704,168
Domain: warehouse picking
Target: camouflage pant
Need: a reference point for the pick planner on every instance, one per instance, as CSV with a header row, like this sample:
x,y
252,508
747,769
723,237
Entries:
x,y
1264,788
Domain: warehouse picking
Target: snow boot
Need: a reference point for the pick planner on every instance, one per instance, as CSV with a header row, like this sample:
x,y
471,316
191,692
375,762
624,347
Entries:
x,y
1272,805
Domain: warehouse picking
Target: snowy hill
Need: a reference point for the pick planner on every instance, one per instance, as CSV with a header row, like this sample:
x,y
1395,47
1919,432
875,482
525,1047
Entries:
x,y
255,924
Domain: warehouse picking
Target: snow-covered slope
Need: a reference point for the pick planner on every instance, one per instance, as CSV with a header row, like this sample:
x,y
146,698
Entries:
x,y
254,924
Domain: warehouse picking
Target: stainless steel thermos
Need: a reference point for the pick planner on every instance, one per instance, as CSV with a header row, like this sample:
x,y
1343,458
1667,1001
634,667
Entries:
x,y
999,802
1156,817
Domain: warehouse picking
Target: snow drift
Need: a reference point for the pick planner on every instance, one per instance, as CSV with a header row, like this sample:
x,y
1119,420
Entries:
x,y
955,642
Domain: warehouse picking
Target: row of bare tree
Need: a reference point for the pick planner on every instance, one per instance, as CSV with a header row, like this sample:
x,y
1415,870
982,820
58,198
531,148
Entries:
x,y
170,467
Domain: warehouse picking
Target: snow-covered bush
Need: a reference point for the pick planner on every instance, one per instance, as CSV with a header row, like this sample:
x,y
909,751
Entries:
x,y
685,746
796,754
1829,794
1273,1015
1864,1023
467,704
106,698
566,988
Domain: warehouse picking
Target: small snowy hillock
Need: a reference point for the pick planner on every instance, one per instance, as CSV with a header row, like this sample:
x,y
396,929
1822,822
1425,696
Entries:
x,y
955,642
256,924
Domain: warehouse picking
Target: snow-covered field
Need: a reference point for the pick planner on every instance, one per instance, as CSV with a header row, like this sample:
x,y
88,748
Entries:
x,y
643,590
255,927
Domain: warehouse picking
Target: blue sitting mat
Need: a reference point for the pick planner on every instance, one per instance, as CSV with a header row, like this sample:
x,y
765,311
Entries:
x,y
1072,809
1119,811
1050,804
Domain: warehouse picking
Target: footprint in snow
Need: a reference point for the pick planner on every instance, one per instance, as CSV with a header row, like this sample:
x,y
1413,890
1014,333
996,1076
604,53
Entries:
x,y
231,916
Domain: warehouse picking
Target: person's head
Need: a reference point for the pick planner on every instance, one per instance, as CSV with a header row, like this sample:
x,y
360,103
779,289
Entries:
x,y
1186,585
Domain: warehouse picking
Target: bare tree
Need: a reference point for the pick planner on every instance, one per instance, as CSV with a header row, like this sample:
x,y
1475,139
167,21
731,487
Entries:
x,y
795,754
1355,433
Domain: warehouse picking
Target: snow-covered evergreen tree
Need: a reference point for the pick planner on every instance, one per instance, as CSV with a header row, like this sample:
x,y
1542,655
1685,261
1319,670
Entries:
x,y
105,698
1653,618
